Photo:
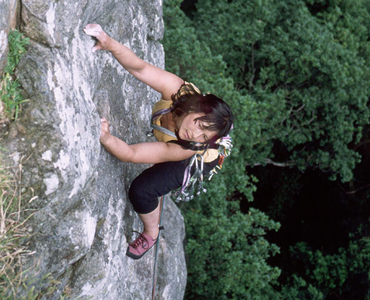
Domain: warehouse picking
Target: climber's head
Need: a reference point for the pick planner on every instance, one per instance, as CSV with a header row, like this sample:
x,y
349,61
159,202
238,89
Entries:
x,y
201,118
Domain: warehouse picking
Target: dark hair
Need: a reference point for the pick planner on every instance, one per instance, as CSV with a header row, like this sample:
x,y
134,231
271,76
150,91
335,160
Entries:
x,y
217,112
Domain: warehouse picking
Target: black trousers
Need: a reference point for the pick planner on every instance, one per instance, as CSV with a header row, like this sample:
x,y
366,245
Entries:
x,y
159,180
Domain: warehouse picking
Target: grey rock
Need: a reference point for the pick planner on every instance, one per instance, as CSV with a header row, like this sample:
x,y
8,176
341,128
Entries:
x,y
83,220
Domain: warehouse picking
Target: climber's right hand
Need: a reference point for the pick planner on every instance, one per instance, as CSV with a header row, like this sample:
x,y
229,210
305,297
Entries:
x,y
96,31
104,132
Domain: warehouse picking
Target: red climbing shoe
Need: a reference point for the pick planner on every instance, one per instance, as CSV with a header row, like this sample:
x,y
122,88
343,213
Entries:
x,y
140,246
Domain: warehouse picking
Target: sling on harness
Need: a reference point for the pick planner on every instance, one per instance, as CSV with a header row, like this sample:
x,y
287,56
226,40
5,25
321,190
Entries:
x,y
192,185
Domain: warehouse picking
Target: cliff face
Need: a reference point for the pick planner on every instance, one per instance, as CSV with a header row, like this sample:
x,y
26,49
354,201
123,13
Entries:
x,y
83,220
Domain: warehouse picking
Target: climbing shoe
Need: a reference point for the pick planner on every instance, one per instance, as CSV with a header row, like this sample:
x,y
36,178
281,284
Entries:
x,y
140,246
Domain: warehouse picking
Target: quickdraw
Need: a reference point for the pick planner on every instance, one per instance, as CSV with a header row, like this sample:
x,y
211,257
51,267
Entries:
x,y
190,182
193,184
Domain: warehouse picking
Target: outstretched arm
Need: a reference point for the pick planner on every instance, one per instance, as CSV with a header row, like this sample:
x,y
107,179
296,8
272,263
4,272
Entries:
x,y
147,153
162,81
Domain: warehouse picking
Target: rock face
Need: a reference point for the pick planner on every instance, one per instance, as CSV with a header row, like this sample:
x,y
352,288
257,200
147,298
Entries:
x,y
83,220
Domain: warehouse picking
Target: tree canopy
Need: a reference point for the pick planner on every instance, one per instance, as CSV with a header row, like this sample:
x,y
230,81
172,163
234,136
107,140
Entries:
x,y
295,73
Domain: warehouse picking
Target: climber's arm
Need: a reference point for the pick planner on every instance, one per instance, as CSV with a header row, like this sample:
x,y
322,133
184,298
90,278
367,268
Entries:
x,y
148,153
162,81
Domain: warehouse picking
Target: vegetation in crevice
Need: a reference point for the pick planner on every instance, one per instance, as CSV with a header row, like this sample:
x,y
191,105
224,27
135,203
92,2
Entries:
x,y
11,97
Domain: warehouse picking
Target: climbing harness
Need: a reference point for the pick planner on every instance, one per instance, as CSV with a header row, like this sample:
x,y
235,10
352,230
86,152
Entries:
x,y
156,249
192,185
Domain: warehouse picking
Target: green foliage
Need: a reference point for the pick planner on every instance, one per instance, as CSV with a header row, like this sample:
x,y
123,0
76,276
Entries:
x,y
295,75
334,274
17,46
227,250
305,73
300,289
193,61
11,94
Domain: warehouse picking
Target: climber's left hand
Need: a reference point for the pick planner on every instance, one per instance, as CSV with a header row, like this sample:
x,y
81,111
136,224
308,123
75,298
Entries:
x,y
96,31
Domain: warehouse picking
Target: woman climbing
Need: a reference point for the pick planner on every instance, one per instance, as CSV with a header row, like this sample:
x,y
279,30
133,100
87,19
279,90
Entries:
x,y
189,127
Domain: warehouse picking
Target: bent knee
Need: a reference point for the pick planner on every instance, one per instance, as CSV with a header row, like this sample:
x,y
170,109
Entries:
x,y
143,200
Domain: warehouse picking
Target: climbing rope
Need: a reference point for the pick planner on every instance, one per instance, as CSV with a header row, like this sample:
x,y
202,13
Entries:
x,y
156,249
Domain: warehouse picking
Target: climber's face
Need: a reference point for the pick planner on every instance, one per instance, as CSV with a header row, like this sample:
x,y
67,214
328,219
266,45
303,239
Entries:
x,y
194,130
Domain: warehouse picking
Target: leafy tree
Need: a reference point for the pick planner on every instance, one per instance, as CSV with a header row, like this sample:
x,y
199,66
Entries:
x,y
294,73
304,71
226,249
343,274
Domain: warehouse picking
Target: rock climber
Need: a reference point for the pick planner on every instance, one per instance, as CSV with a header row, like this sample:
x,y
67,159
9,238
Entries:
x,y
187,123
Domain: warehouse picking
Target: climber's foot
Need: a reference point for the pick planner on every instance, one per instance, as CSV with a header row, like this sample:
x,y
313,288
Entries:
x,y
140,246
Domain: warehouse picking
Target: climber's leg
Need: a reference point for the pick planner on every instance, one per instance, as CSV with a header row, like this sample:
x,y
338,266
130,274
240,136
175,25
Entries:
x,y
151,222
144,191
148,237
154,182
157,181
